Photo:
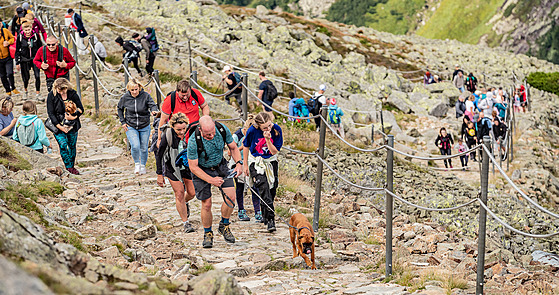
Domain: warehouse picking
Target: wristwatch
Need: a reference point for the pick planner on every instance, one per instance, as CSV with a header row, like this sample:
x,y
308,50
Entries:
x,y
239,162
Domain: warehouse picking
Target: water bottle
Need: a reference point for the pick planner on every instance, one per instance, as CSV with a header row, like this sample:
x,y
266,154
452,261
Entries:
x,y
49,150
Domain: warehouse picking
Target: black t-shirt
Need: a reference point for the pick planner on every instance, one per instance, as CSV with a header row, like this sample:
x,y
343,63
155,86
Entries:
x,y
264,86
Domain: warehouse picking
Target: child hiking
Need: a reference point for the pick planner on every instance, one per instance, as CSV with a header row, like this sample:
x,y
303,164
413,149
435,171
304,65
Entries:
x,y
461,148
334,117
30,130
444,142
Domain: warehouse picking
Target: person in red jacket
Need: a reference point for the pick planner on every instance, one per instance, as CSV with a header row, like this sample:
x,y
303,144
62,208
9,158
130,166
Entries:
x,y
52,66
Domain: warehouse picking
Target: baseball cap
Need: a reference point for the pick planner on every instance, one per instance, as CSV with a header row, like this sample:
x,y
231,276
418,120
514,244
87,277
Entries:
x,y
322,87
226,68
457,65
333,101
20,12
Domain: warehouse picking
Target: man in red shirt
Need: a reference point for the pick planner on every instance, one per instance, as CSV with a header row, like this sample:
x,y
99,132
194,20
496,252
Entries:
x,y
187,101
52,66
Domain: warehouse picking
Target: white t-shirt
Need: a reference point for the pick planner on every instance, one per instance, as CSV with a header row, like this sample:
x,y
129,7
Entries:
x,y
470,106
320,97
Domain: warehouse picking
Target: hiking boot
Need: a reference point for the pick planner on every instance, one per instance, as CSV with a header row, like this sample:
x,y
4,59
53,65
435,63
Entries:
x,y
271,225
188,228
226,232
14,92
208,240
8,93
258,217
243,215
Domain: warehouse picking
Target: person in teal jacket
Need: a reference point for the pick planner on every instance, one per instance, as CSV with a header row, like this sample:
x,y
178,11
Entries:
x,y
34,138
335,114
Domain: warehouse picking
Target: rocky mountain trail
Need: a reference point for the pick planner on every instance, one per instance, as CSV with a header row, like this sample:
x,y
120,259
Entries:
x,y
130,237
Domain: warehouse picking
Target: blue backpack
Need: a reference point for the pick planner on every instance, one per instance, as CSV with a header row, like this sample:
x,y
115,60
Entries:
x,y
300,108
237,77
333,116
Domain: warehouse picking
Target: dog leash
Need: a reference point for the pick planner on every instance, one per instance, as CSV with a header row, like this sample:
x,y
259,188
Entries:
x,y
289,225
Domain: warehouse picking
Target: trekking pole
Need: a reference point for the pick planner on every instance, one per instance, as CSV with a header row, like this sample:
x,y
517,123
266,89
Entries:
x,y
158,85
319,167
482,217
244,96
94,69
75,50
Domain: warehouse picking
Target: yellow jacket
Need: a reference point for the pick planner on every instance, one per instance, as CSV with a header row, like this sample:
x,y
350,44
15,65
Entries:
x,y
5,36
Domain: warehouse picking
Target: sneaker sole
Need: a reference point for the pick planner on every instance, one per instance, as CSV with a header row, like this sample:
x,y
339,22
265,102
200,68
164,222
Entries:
x,y
206,246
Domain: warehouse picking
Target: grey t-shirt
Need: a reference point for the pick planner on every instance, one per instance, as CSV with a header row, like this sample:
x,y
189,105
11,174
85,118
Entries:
x,y
5,121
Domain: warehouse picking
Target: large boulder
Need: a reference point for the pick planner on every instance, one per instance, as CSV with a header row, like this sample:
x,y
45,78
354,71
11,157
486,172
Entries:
x,y
400,101
14,280
215,282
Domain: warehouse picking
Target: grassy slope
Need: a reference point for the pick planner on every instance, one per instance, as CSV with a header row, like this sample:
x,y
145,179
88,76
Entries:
x,y
395,16
463,20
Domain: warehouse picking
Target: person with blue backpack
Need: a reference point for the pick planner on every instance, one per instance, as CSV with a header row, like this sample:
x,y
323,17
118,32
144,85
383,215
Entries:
x,y
30,130
297,107
335,114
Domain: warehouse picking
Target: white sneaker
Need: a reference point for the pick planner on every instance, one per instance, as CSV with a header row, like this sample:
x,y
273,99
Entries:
x,y
142,169
137,168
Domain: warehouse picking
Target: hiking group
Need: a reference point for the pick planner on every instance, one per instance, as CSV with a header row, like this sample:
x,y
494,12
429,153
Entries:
x,y
483,112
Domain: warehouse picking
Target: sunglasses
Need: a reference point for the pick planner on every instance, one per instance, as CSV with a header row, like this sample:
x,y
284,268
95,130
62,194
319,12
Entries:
x,y
51,44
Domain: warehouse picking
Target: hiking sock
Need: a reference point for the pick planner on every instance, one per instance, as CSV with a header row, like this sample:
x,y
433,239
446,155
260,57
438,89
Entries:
x,y
225,220
207,229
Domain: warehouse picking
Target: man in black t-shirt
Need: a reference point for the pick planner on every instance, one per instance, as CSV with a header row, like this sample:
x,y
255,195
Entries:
x,y
263,91
231,82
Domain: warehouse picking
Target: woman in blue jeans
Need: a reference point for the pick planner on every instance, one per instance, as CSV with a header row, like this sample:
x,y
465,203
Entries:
x,y
134,110
67,124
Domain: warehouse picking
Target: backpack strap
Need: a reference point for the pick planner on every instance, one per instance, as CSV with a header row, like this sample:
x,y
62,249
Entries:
x,y
60,53
200,144
173,101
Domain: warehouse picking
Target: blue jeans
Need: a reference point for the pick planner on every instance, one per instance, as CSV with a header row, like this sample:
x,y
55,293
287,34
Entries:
x,y
139,143
67,144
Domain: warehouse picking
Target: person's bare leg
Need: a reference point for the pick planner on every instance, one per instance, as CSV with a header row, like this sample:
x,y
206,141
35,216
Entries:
x,y
190,193
226,211
178,189
207,213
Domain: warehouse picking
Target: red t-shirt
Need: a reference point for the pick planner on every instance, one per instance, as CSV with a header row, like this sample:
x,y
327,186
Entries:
x,y
190,108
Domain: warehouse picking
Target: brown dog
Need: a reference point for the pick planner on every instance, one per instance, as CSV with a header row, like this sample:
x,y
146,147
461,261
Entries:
x,y
302,238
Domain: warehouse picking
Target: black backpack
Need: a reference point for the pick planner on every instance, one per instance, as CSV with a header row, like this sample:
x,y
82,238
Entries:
x,y
313,105
272,92
60,56
198,137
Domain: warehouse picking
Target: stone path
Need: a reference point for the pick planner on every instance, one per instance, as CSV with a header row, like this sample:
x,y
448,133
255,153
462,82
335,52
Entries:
x,y
110,204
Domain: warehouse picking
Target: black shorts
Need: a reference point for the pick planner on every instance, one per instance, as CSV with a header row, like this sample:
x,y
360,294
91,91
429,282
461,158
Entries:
x,y
204,189
185,173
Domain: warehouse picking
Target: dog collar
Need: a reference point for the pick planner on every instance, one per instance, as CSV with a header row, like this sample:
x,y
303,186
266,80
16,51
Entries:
x,y
299,229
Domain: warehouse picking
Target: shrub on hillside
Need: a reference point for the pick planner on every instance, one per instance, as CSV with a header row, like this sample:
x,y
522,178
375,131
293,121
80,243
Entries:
x,y
545,81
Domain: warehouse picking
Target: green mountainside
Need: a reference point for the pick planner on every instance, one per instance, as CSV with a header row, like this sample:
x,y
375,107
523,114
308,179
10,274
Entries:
x,y
468,21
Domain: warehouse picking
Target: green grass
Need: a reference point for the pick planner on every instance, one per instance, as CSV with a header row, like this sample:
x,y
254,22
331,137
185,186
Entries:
x,y
545,81
22,198
463,20
205,268
166,77
11,159
114,59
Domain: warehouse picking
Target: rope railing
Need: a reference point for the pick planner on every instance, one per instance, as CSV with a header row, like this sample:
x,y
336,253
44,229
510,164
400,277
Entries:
x,y
427,208
499,220
215,94
275,110
297,151
82,72
339,176
105,88
525,196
